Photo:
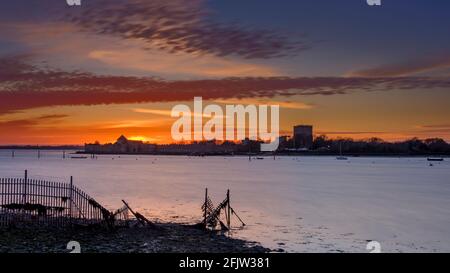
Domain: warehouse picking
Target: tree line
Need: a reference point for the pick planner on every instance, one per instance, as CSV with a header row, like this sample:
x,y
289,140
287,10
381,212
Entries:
x,y
379,146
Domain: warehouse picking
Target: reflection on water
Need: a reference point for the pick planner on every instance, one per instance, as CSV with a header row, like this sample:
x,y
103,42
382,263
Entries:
x,y
297,204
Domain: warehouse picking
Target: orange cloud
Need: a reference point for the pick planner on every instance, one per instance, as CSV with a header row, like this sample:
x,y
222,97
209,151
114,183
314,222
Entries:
x,y
283,104
24,86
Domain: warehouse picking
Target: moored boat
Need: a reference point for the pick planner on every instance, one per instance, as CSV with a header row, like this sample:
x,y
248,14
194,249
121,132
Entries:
x,y
341,157
435,159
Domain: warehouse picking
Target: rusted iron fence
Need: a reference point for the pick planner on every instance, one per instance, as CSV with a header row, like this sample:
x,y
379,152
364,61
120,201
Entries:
x,y
24,201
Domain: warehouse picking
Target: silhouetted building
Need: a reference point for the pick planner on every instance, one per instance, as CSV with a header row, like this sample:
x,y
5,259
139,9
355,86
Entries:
x,y
303,136
121,146
283,142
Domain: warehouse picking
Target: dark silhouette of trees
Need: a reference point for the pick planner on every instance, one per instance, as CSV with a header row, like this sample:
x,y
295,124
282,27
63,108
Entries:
x,y
378,146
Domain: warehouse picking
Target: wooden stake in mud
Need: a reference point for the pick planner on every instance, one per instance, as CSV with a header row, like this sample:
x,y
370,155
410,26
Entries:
x,y
205,206
242,222
139,217
211,215
229,210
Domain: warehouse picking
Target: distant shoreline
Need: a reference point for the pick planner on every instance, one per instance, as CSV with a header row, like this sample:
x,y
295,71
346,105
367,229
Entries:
x,y
79,150
270,154
290,155
34,147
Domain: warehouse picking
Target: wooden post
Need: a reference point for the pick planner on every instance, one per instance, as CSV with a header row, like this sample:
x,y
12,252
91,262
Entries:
x,y
206,205
12,153
141,218
70,198
24,196
64,154
229,210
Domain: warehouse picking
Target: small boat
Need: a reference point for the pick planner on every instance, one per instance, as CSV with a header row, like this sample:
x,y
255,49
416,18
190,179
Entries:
x,y
435,159
341,157
78,157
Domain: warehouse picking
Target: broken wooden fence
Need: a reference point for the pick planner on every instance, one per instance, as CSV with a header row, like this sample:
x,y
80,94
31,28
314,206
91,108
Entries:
x,y
24,200
211,213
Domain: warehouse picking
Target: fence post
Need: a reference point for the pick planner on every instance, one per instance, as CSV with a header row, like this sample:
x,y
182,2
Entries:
x,y
70,198
24,196
206,206
229,210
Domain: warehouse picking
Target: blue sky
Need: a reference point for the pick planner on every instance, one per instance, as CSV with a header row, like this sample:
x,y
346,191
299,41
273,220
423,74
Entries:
x,y
350,32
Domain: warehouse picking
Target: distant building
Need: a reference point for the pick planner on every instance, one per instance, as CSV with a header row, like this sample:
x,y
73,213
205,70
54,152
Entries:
x,y
282,139
303,136
283,143
121,146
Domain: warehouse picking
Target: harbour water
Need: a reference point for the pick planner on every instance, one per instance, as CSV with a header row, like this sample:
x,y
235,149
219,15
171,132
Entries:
x,y
298,204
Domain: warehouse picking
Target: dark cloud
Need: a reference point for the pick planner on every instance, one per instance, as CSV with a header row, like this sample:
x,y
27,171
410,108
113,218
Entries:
x,y
411,67
52,117
435,128
24,86
182,26
19,123
16,125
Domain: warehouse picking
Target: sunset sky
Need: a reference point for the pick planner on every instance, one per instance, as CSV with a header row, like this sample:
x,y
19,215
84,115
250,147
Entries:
x,y
72,75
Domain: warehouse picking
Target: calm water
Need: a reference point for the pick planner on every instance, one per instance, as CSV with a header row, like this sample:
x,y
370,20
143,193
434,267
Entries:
x,y
298,204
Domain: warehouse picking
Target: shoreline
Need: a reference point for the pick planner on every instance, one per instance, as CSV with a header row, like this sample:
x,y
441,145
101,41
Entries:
x,y
305,154
166,238
255,154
